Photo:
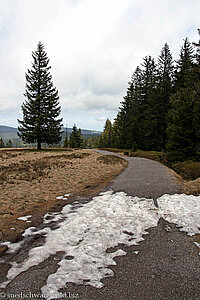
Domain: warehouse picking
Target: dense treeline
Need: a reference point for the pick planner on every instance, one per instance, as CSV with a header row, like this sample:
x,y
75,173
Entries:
x,y
78,140
5,145
161,108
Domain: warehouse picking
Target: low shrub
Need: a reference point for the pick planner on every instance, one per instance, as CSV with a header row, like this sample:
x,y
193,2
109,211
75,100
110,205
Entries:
x,y
111,159
153,155
115,150
189,170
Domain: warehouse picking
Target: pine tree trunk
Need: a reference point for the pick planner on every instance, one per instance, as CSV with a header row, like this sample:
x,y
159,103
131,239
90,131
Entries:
x,y
39,144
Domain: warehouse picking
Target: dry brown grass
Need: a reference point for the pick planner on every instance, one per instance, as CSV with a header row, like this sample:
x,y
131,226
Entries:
x,y
190,174
110,159
30,181
189,170
192,187
29,170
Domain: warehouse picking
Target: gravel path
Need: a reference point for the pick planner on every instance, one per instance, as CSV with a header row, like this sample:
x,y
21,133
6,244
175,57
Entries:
x,y
167,266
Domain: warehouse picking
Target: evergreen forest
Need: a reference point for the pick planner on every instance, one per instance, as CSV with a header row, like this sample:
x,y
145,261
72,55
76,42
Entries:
x,y
161,108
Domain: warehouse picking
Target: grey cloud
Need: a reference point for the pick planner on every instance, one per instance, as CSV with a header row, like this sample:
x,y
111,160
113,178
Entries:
x,y
101,119
94,46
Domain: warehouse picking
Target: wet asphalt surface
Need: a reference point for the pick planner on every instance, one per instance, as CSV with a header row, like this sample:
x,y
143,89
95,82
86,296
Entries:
x,y
144,178
167,266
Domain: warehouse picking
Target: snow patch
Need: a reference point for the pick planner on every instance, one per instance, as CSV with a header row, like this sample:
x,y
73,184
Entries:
x,y
182,210
197,244
67,195
25,218
63,197
29,231
59,197
12,248
85,233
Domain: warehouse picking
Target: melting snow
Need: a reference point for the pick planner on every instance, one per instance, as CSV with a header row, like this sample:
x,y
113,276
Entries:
x,y
25,218
12,248
63,197
182,210
29,231
67,195
85,233
59,197
198,245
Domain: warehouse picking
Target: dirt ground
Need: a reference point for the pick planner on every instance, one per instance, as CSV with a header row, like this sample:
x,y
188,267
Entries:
x,y
30,181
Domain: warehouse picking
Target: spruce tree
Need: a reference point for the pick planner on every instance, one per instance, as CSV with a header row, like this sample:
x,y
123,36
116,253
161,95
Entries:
x,y
159,100
100,143
123,125
135,124
80,140
183,64
197,46
41,108
2,145
66,143
184,116
107,134
165,82
194,84
148,109
76,139
180,131
127,124
9,144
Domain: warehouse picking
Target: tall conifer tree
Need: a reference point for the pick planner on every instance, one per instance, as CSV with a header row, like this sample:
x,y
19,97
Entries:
x,y
124,120
165,81
2,144
9,144
127,125
197,45
107,135
66,143
75,139
148,108
184,64
41,108
184,116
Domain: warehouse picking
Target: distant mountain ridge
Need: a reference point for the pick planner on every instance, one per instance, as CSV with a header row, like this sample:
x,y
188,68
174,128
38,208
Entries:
x,y
7,132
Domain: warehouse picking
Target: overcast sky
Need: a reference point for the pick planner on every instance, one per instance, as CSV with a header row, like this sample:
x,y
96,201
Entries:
x,y
93,45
